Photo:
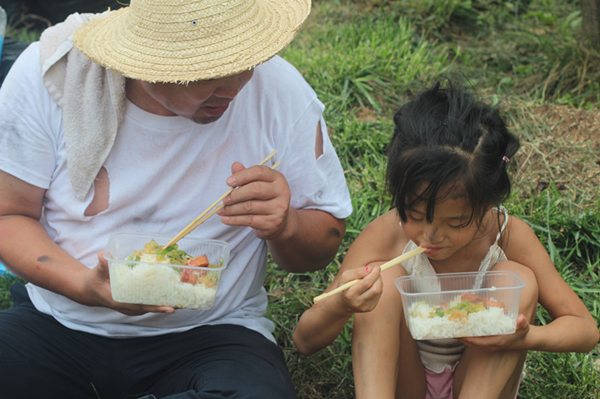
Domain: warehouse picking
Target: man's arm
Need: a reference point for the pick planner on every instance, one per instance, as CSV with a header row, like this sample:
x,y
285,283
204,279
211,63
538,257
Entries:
x,y
25,247
311,243
300,240
28,251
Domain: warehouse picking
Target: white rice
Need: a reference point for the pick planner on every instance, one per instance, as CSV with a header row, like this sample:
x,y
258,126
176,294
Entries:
x,y
158,284
491,321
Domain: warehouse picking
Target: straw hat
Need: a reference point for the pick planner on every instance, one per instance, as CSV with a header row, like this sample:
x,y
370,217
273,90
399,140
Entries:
x,y
186,40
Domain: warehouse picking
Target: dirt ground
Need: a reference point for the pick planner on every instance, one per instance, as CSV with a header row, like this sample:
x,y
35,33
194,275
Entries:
x,y
559,144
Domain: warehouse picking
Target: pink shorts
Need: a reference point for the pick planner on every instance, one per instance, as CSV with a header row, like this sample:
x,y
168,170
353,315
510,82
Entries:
x,y
439,385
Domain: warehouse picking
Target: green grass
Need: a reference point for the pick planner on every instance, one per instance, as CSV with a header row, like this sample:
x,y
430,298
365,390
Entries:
x,y
5,283
364,58
355,59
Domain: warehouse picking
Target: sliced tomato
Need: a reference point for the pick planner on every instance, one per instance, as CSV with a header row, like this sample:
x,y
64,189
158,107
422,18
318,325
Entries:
x,y
189,276
488,303
200,261
493,304
471,298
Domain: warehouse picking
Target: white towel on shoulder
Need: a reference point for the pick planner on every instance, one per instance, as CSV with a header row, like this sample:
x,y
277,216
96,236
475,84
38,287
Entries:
x,y
92,99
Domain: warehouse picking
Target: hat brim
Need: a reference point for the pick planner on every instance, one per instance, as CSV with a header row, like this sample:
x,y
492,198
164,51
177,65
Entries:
x,y
199,45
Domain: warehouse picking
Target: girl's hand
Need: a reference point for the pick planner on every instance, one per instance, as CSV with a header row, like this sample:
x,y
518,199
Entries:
x,y
261,201
364,295
501,342
96,283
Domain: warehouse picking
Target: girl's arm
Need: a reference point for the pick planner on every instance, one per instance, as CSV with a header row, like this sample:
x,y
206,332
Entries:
x,y
572,329
322,323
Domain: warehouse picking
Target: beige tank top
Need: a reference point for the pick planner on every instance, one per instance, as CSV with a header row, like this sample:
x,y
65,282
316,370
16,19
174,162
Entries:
x,y
438,355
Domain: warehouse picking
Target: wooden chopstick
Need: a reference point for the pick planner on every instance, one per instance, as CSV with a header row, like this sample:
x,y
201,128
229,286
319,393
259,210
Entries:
x,y
203,216
385,266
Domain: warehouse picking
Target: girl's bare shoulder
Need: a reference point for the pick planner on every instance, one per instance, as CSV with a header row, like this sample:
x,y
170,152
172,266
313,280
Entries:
x,y
381,240
386,230
520,244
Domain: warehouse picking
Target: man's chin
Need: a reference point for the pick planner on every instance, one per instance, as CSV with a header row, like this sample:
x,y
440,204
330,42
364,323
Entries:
x,y
205,119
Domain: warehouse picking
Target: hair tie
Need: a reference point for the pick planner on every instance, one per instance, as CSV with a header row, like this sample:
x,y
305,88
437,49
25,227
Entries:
x,y
505,159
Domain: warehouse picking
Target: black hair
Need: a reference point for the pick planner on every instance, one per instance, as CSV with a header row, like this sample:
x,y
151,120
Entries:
x,y
448,143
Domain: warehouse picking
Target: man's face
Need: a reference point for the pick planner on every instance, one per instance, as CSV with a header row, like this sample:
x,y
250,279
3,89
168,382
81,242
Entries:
x,y
202,101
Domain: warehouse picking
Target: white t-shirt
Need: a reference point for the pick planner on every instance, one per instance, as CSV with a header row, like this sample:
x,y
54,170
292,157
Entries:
x,y
163,172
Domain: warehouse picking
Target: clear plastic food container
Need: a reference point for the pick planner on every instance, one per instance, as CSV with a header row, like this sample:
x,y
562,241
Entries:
x,y
456,305
154,282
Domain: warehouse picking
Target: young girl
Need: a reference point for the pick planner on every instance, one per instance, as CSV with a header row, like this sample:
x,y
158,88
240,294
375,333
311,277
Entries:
x,y
447,175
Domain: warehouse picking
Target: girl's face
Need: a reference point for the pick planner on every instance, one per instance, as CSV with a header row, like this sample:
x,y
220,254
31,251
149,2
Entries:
x,y
449,231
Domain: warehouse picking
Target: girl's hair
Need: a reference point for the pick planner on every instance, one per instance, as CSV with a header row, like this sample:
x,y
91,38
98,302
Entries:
x,y
446,143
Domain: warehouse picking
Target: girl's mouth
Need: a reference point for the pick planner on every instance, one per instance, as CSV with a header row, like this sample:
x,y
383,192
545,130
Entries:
x,y
216,111
433,250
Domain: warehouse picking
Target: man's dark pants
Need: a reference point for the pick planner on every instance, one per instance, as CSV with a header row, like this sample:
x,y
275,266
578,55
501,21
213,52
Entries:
x,y
41,358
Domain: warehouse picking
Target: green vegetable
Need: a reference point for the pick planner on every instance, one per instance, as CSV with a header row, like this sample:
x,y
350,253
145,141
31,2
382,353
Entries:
x,y
172,253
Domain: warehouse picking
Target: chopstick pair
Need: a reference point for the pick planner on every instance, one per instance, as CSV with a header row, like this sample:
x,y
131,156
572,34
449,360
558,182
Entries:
x,y
203,217
386,265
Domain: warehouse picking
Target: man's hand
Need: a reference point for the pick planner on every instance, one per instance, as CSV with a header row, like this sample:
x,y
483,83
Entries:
x,y
96,283
261,201
299,240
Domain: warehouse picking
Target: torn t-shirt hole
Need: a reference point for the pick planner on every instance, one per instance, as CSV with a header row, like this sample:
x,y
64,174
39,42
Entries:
x,y
100,201
319,141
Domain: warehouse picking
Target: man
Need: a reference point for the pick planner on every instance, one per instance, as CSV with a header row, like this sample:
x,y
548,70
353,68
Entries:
x,y
157,110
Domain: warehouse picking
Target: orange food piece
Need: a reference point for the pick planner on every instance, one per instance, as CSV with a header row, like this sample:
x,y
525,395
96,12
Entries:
x,y
193,276
200,261
189,276
493,304
471,298
458,314
488,303
207,281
